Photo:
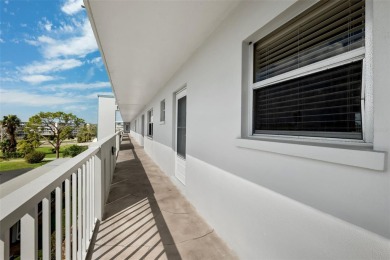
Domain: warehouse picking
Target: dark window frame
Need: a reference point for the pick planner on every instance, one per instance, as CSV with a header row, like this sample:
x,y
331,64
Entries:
x,y
150,122
162,110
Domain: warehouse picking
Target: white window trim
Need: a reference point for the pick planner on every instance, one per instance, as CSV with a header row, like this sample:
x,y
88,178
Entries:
x,y
364,53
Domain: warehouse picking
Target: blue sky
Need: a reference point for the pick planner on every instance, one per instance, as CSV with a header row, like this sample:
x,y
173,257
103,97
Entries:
x,y
49,59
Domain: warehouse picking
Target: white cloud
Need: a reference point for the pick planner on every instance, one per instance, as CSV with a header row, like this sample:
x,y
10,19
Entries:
x,y
96,60
2,41
32,42
74,46
71,7
30,99
45,24
36,79
23,25
65,28
75,108
78,86
46,39
89,75
48,26
51,66
6,2
7,79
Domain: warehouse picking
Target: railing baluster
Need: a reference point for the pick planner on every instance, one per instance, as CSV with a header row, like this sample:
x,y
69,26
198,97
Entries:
x,y
67,219
79,214
92,193
74,216
87,198
29,235
58,222
46,227
85,192
4,244
84,243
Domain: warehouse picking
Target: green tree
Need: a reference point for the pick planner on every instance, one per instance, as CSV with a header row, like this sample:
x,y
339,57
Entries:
x,y
86,133
10,123
32,137
25,147
54,127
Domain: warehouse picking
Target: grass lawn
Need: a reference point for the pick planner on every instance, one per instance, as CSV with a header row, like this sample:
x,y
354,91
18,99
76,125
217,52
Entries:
x,y
48,151
20,163
14,164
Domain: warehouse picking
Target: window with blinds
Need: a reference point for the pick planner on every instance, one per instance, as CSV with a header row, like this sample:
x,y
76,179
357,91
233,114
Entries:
x,y
162,110
327,29
325,103
150,123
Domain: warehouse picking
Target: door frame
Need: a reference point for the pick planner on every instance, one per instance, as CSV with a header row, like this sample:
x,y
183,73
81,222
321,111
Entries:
x,y
179,160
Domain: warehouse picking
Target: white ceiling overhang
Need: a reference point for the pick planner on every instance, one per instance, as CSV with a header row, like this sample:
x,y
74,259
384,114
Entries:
x,y
143,43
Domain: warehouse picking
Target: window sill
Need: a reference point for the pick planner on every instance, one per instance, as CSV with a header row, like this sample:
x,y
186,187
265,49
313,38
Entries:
x,y
162,122
352,156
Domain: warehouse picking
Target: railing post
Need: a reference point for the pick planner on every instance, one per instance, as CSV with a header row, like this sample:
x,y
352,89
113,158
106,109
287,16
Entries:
x,y
4,244
99,188
29,235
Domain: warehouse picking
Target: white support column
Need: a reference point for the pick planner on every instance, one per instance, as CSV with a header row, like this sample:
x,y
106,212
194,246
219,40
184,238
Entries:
x,y
29,235
4,244
58,222
83,188
74,216
79,214
67,219
46,227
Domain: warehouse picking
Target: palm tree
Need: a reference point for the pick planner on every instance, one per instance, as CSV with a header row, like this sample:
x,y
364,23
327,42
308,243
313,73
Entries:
x,y
10,123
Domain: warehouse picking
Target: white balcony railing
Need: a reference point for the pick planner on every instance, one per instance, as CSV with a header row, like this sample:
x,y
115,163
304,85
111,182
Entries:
x,y
82,184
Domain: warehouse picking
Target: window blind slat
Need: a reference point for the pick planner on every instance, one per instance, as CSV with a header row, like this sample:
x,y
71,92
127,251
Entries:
x,y
306,47
324,31
317,33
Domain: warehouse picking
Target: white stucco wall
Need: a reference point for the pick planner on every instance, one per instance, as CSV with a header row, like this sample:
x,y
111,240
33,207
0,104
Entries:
x,y
106,116
267,205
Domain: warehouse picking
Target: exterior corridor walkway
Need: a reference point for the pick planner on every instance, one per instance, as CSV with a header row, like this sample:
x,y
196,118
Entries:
x,y
146,217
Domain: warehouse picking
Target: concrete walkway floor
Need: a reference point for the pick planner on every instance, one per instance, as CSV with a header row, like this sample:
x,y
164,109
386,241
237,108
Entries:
x,y
146,217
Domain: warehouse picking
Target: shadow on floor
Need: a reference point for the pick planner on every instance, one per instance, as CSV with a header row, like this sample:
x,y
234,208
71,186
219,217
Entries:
x,y
133,226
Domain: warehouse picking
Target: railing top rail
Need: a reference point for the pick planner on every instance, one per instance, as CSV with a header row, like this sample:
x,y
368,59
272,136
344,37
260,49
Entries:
x,y
14,205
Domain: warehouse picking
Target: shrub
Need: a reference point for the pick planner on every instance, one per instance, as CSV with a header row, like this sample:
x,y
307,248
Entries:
x,y
34,157
25,147
74,150
12,155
